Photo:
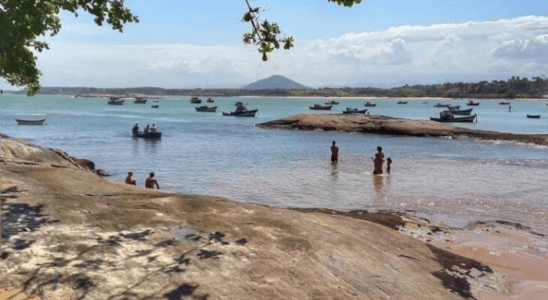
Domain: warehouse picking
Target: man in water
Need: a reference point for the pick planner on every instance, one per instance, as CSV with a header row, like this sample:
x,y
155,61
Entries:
x,y
129,179
135,129
378,161
150,182
388,163
334,153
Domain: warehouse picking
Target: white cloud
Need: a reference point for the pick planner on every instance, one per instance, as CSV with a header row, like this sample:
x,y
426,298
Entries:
x,y
490,49
536,49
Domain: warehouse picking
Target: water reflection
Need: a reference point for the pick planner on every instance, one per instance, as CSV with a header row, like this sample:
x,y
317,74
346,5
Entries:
x,y
378,183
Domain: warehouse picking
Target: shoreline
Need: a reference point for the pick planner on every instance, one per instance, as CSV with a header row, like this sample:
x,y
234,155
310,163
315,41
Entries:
x,y
39,186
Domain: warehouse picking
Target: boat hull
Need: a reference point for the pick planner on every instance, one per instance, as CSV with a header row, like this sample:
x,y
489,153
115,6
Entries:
x,y
370,104
452,119
206,109
460,112
321,107
246,113
30,122
533,116
354,111
150,135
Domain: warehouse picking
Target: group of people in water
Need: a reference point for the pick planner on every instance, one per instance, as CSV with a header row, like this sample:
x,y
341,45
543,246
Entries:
x,y
378,161
147,129
150,181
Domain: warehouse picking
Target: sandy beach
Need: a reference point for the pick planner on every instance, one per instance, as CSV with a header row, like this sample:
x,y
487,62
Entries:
x,y
67,232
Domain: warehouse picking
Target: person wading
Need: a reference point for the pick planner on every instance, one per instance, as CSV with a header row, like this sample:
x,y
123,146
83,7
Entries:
x,y
334,153
378,161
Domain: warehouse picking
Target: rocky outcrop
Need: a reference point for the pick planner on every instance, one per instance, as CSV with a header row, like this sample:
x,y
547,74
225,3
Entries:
x,y
394,126
70,230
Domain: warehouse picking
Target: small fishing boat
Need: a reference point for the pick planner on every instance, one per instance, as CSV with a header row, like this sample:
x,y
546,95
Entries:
x,y
238,103
369,104
442,105
205,108
402,102
195,100
504,103
209,100
461,112
155,106
533,116
115,101
148,135
451,107
449,118
332,102
472,103
320,107
30,122
140,100
350,110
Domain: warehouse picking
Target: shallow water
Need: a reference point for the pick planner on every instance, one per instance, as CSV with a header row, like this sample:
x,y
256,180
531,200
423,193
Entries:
x,y
450,180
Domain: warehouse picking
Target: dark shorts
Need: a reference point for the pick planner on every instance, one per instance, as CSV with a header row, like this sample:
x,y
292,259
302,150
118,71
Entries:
x,y
334,158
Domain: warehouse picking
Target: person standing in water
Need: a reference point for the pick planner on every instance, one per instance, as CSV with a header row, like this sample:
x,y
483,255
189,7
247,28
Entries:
x,y
334,153
388,163
378,161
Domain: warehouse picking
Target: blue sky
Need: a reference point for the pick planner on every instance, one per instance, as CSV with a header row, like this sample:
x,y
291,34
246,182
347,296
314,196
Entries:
x,y
379,43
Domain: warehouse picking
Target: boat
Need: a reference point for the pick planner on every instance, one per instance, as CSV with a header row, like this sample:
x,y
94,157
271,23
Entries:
x,y
205,108
461,112
241,111
321,107
425,102
195,100
456,107
533,116
504,103
402,102
140,100
472,103
442,105
354,111
239,103
332,102
148,135
115,101
209,100
446,118
155,106
369,104
30,122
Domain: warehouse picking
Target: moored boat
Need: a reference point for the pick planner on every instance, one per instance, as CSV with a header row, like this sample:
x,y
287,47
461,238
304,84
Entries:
x,y
350,110
205,108
210,100
115,101
155,106
449,118
195,100
369,104
504,103
459,111
472,103
30,122
332,102
451,107
533,116
140,100
320,107
402,102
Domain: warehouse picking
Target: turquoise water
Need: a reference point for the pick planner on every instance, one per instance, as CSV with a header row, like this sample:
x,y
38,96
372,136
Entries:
x,y
452,180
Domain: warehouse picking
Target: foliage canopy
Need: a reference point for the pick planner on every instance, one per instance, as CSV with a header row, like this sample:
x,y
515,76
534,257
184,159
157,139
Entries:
x,y
23,21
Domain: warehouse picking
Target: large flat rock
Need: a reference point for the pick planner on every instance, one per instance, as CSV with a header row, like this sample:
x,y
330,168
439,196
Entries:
x,y
394,126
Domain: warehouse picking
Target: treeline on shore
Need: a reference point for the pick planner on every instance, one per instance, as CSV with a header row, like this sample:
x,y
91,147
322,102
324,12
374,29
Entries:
x,y
514,87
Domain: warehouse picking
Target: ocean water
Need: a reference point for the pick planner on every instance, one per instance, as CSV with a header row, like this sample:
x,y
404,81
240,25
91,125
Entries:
x,y
454,181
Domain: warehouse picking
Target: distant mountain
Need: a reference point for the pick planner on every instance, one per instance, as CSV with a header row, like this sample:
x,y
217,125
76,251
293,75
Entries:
x,y
274,82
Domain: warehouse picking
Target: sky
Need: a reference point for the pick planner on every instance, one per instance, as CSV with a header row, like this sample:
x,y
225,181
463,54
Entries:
x,y
191,44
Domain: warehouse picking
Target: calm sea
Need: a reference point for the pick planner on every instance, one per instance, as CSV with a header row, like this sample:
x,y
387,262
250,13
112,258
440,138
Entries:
x,y
449,180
